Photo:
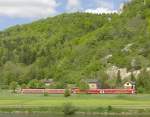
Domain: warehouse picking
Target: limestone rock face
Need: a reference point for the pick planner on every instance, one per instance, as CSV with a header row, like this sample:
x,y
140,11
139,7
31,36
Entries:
x,y
124,73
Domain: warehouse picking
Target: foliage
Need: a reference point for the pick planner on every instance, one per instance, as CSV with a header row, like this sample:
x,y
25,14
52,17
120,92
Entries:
x,y
118,80
143,82
67,93
69,109
23,86
109,108
140,90
82,85
57,85
13,86
133,79
36,84
72,47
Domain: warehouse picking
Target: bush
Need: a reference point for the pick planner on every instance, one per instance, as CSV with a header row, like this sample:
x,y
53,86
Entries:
x,y
13,86
143,82
67,93
83,85
101,109
23,86
140,90
109,108
69,109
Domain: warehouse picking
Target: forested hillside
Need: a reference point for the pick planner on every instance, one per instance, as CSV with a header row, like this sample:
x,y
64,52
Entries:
x,y
71,47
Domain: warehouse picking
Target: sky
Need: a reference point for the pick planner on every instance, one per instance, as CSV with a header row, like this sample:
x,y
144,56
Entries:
x,y
13,12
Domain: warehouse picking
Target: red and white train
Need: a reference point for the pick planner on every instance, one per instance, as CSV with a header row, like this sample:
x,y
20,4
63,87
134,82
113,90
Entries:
x,y
78,91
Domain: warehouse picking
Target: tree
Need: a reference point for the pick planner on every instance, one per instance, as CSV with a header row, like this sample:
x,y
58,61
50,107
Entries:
x,y
82,85
143,82
67,93
70,46
118,80
33,84
103,80
23,86
36,84
133,79
13,86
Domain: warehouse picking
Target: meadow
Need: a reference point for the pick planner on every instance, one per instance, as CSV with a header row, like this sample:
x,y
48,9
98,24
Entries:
x,y
133,101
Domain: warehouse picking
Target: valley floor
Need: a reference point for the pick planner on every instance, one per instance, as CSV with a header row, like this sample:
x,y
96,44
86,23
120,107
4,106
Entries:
x,y
140,102
9,99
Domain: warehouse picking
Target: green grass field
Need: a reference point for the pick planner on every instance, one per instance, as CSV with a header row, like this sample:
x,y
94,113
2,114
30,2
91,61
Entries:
x,y
124,101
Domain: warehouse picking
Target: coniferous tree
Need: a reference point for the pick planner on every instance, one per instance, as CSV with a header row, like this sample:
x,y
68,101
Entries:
x,y
118,80
133,79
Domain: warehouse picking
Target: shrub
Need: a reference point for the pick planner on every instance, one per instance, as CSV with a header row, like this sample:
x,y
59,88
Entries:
x,y
23,86
143,82
101,109
13,86
69,109
140,90
83,85
67,93
118,80
36,84
109,108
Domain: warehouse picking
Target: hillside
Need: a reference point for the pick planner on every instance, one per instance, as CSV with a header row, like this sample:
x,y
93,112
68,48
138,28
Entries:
x,y
71,47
